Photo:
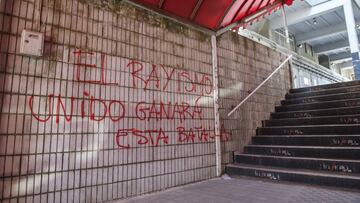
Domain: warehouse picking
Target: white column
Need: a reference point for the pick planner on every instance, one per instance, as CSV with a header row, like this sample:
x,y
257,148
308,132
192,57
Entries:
x,y
216,106
291,71
286,26
353,38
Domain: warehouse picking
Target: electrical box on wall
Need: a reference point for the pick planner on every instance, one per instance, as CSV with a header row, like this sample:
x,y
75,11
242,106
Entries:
x,y
31,43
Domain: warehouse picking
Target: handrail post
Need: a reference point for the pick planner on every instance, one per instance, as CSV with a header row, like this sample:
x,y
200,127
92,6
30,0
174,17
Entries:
x,y
261,84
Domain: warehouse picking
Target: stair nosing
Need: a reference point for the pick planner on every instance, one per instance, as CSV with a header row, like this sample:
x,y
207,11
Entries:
x,y
332,101
289,136
319,96
312,126
315,117
301,147
294,171
321,90
298,158
314,110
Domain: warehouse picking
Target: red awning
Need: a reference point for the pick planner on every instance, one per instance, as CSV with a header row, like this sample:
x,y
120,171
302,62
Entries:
x,y
213,14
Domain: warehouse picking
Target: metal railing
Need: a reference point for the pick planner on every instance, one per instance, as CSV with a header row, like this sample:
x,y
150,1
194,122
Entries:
x,y
261,84
310,65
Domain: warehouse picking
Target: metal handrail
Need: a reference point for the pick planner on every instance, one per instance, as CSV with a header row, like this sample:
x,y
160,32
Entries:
x,y
273,45
259,86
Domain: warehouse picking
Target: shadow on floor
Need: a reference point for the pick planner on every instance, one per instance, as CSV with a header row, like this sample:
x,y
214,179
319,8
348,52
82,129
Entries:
x,y
248,190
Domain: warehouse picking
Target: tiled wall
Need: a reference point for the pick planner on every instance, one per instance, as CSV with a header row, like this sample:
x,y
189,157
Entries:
x,y
243,65
117,106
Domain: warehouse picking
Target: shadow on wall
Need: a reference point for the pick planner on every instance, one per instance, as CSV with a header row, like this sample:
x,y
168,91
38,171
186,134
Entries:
x,y
60,167
243,65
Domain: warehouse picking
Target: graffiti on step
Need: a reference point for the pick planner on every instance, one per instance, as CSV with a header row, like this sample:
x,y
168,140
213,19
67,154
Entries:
x,y
91,107
302,114
316,89
293,132
352,103
336,167
309,100
270,175
345,142
350,120
280,152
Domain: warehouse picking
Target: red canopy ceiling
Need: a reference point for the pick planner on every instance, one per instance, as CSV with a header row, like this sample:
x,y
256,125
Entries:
x,y
213,14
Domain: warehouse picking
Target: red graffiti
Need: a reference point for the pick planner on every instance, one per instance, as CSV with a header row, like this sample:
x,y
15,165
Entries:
x,y
147,137
224,135
144,76
48,116
79,66
169,76
185,82
156,137
168,111
93,108
193,134
59,105
200,134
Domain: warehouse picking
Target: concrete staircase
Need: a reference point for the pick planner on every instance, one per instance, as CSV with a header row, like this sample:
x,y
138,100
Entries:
x,y
313,137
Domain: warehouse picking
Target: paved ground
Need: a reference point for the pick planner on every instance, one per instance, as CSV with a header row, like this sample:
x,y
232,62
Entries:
x,y
249,191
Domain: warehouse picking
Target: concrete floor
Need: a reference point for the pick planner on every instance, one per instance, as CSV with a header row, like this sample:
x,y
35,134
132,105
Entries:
x,y
249,190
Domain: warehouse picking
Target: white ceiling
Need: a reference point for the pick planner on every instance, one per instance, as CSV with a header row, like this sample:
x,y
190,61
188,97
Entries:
x,y
328,35
315,2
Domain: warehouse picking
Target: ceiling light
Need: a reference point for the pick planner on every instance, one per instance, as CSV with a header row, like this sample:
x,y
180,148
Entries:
x,y
300,45
314,21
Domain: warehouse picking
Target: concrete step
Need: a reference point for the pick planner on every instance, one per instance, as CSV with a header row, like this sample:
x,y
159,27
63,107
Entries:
x,y
314,137
309,140
333,165
310,130
324,87
350,89
304,151
325,120
296,175
328,97
317,112
319,105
